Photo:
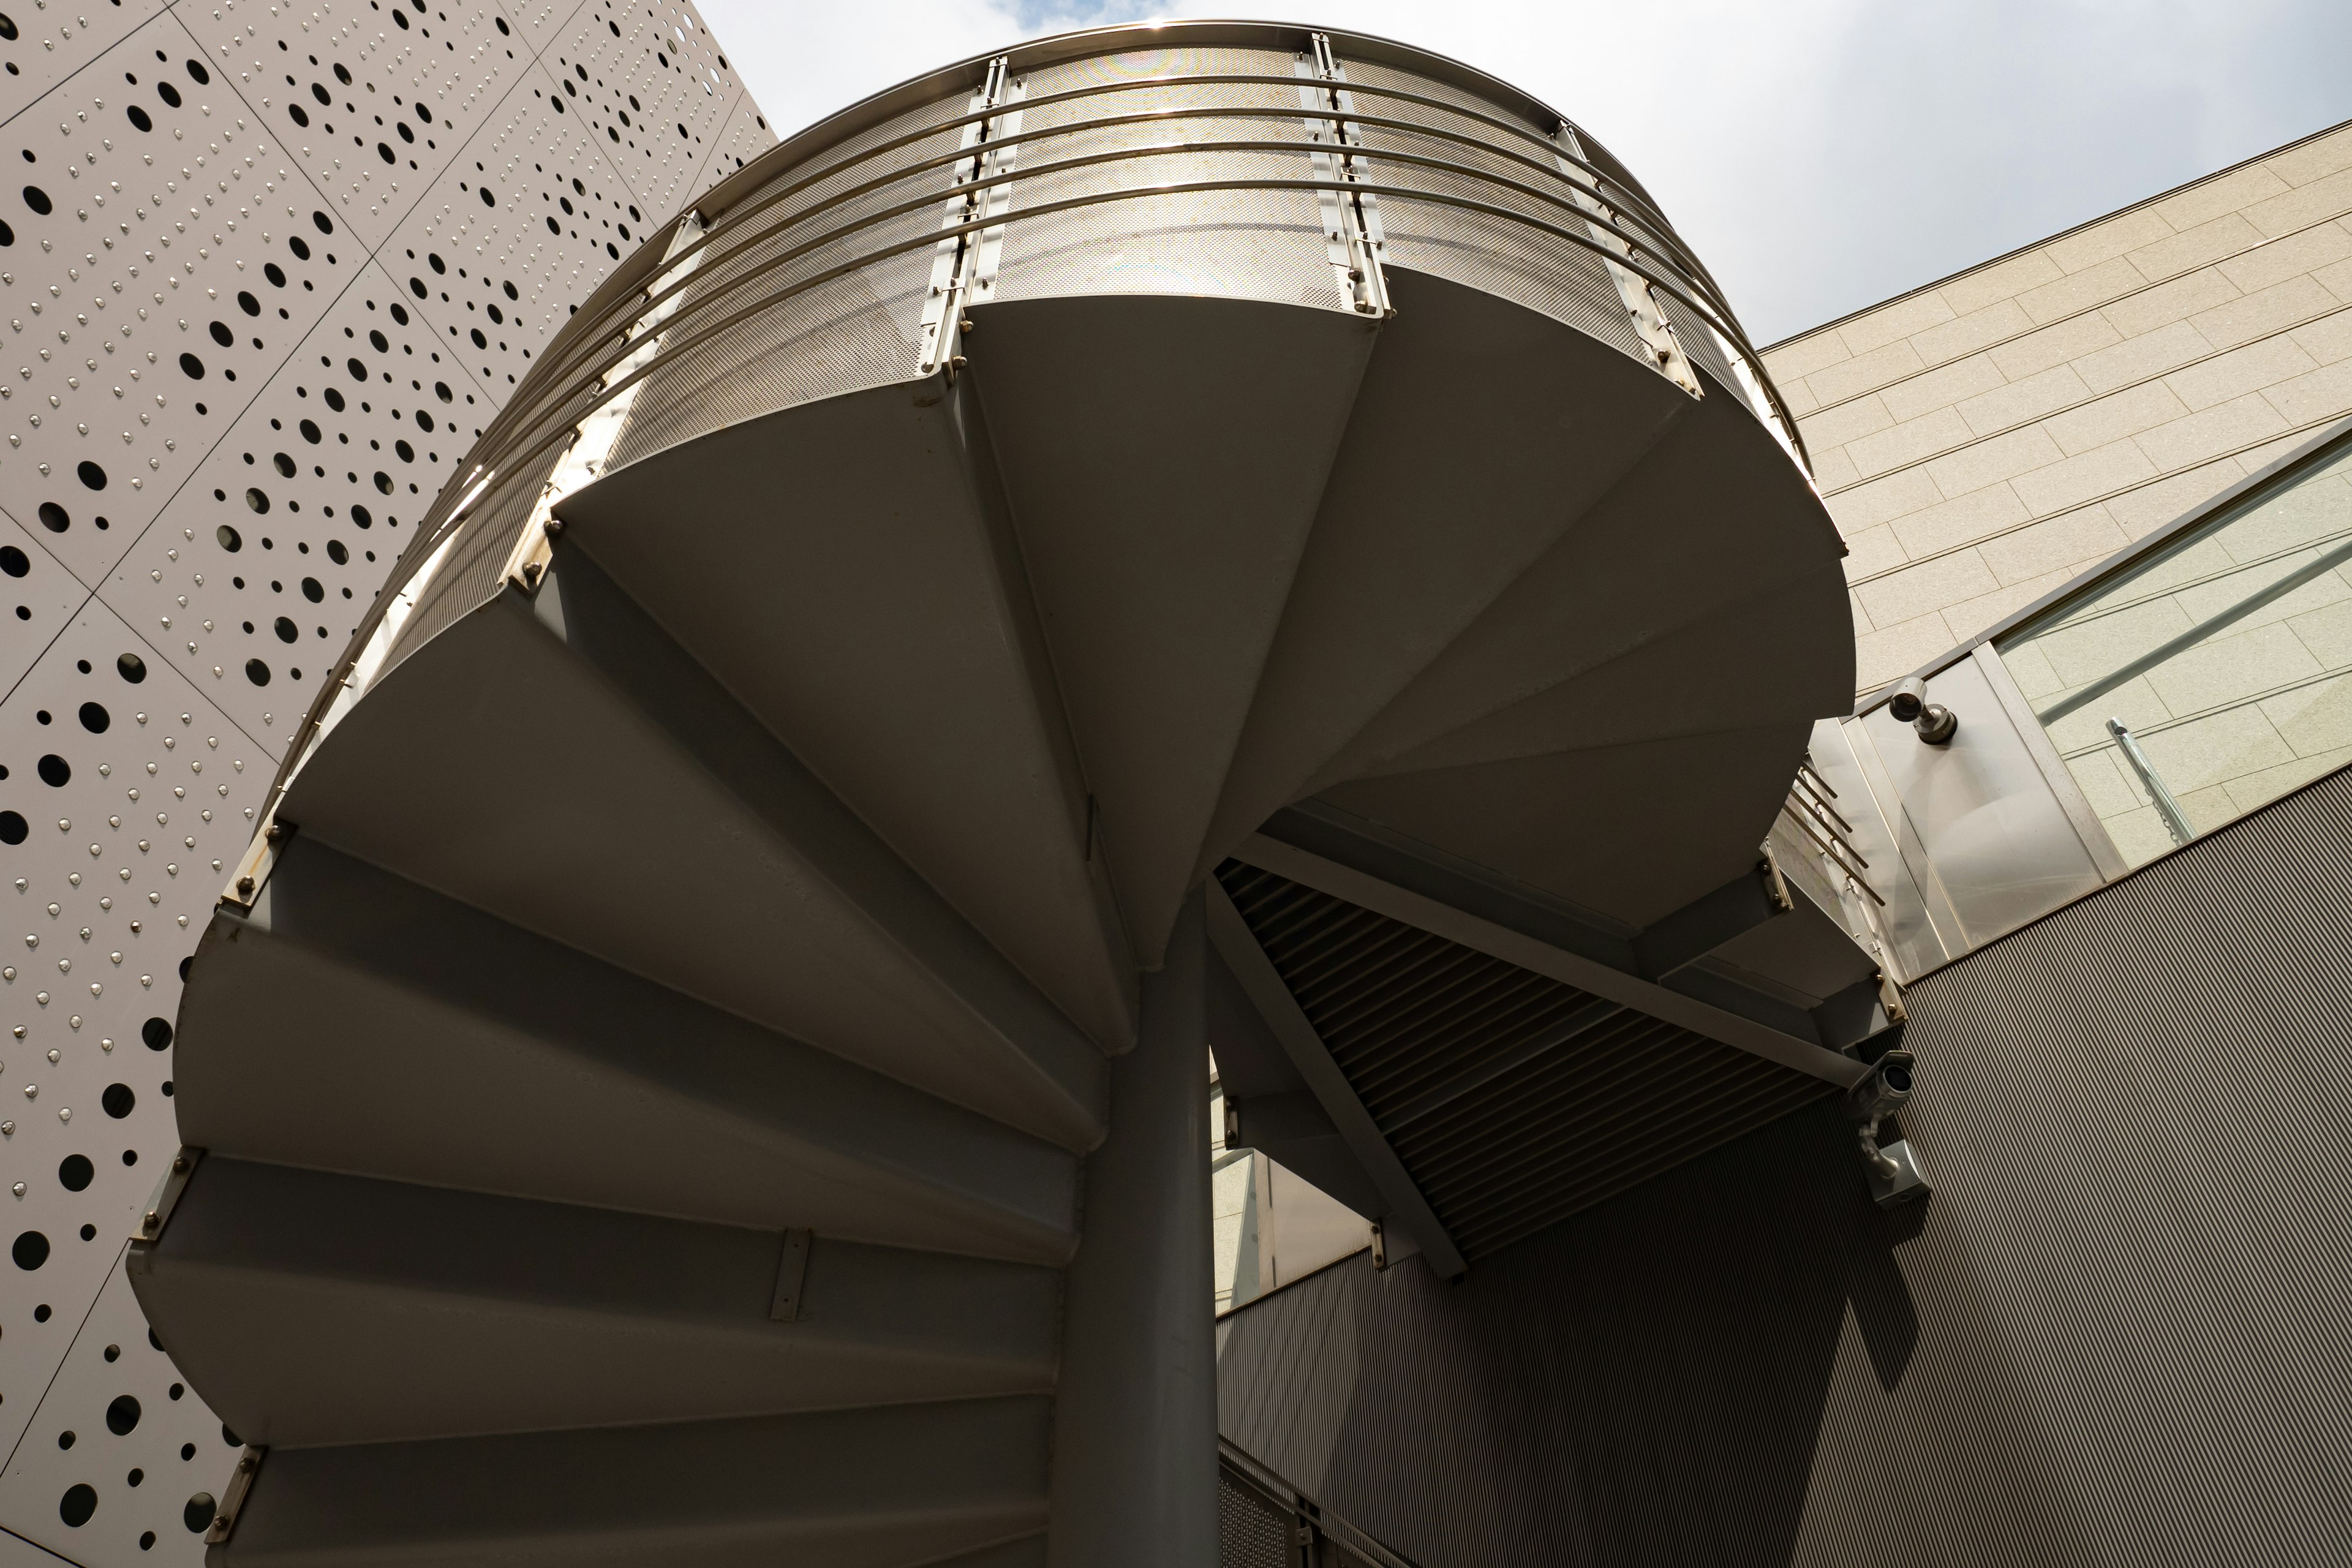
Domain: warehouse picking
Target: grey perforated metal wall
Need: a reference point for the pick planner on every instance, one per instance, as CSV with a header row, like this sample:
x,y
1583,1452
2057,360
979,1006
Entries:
x,y
2117,1334
266,272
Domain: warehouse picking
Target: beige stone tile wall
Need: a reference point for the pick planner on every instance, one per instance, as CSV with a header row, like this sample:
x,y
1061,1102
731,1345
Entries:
x,y
1983,440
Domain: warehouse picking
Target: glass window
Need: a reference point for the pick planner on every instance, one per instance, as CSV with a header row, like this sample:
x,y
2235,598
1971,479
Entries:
x,y
2214,675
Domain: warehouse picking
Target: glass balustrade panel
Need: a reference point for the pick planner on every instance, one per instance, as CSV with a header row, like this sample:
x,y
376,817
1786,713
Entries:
x,y
2211,677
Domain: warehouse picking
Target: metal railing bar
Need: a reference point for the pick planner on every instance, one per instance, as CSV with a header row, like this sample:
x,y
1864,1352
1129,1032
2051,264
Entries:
x,y
2232,706
1648,215
1813,799
513,465
1656,234
1828,849
2117,606
623,311
934,236
2221,621
1815,809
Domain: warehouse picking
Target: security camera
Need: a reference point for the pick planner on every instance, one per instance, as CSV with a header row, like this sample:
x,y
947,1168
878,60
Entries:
x,y
1882,1091
1893,1168
1935,723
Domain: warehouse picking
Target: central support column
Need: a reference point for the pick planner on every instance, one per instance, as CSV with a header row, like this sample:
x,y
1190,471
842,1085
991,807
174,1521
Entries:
x,y
1134,1424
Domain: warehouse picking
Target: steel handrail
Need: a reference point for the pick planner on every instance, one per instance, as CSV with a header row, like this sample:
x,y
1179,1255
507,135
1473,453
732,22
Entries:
x,y
622,311
636,308
1814,809
1649,217
563,397
513,465
930,237
1814,797
617,315
1806,827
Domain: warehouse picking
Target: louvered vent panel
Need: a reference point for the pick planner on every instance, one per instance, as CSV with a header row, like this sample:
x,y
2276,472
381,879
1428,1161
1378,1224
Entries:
x,y
1514,1099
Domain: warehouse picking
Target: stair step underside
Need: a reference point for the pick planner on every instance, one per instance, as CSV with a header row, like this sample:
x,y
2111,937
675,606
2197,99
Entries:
x,y
890,1488
631,809
872,612
338,1310
358,1022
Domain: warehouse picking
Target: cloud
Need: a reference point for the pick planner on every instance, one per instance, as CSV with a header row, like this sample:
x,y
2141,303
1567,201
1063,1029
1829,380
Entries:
x,y
1821,154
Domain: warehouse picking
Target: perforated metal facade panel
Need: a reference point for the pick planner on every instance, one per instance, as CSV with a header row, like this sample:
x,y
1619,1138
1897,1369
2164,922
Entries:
x,y
266,275
1251,1531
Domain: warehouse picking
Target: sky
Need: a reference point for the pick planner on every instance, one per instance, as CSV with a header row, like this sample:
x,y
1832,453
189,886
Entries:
x,y
1822,155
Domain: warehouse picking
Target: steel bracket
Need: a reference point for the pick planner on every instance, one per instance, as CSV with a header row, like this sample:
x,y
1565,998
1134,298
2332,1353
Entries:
x,y
260,857
1633,291
791,1277
599,431
158,1212
1353,239
1896,1178
963,269
232,1502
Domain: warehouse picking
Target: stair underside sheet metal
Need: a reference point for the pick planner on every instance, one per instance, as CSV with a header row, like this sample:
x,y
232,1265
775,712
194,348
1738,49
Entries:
x,y
655,1062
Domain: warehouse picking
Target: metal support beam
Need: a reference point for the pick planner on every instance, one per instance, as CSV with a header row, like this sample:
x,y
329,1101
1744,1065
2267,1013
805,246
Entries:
x,y
1516,947
1230,934
1706,922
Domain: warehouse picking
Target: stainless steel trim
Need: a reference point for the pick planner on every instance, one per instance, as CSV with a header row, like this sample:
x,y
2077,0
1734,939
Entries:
x,y
2175,822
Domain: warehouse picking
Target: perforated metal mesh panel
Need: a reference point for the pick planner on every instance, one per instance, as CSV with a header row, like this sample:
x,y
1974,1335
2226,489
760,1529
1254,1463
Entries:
x,y
650,81
817,336
745,136
165,524
1541,272
46,45
291,524
1259,245
528,219
371,112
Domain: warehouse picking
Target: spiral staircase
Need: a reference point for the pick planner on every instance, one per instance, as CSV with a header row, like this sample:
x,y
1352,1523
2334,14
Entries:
x,y
1055,567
